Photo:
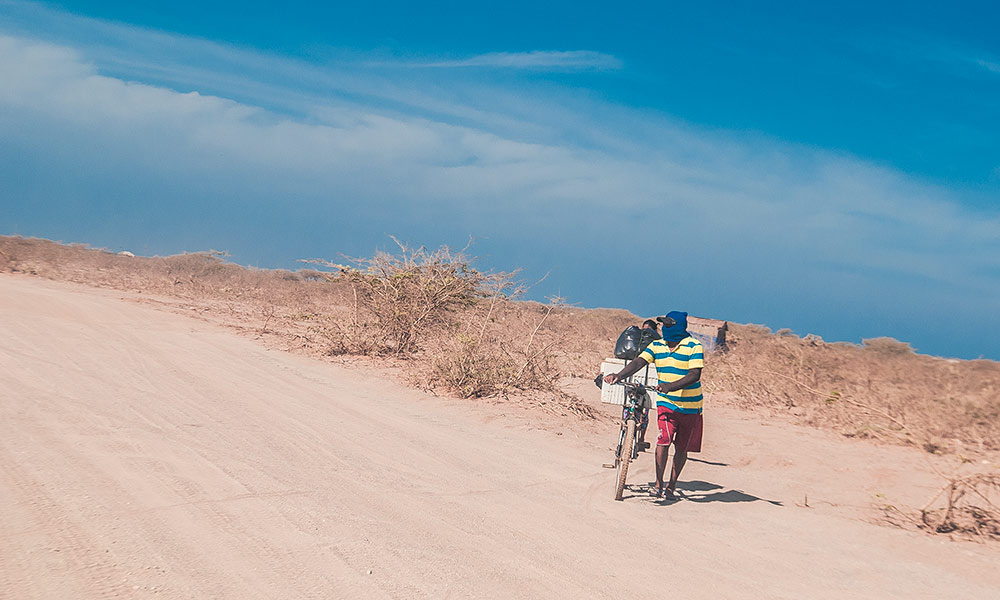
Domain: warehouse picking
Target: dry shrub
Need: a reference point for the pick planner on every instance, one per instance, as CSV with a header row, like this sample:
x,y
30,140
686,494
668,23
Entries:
x,y
485,356
435,307
970,507
474,368
401,299
887,346
967,506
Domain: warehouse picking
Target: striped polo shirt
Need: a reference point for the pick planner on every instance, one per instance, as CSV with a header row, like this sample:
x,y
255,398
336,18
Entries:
x,y
672,366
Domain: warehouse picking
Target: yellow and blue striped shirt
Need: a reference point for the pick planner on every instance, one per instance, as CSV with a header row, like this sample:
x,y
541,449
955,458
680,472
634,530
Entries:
x,y
673,365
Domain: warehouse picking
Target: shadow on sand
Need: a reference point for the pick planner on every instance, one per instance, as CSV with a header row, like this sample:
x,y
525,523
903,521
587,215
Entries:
x,y
707,462
697,491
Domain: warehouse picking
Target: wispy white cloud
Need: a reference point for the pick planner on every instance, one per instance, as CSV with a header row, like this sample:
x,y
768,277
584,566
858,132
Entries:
x,y
539,59
957,56
795,196
949,56
993,67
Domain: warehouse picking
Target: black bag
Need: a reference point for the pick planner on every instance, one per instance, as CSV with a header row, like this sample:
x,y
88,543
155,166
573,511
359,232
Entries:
x,y
629,343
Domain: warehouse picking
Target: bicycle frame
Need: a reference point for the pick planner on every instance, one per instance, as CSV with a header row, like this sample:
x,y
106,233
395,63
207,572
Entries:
x,y
628,440
632,409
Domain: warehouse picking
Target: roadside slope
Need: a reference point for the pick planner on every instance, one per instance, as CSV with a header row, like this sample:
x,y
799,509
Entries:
x,y
143,454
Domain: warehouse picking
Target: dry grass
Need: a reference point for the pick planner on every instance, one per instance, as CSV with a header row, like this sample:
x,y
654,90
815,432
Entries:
x,y
289,308
464,332
454,329
881,389
967,507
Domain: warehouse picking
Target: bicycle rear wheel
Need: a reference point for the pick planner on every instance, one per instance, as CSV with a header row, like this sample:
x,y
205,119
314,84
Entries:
x,y
625,457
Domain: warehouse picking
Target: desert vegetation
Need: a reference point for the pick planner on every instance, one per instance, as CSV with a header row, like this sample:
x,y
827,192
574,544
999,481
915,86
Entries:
x,y
459,323
450,327
880,389
468,333
454,329
967,506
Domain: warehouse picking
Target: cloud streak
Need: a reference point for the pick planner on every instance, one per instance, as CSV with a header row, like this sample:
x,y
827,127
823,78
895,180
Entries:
x,y
993,67
539,59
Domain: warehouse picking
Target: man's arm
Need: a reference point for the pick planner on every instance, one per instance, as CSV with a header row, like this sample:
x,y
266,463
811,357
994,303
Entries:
x,y
629,370
692,376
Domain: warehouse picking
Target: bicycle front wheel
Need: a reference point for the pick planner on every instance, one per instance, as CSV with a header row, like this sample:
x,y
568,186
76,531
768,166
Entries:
x,y
625,457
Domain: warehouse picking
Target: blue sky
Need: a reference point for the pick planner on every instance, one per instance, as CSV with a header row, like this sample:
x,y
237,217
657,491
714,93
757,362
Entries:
x,y
830,169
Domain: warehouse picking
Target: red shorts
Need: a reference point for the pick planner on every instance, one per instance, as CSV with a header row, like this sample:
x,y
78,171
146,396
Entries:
x,y
680,429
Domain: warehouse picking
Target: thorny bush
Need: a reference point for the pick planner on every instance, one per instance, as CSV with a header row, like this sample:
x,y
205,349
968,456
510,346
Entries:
x,y
401,299
436,305
968,506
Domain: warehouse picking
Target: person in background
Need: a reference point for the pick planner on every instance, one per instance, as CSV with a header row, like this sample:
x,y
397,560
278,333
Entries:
x,y
650,328
679,360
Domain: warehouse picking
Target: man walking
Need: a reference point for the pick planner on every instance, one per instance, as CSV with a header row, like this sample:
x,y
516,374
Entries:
x,y
678,359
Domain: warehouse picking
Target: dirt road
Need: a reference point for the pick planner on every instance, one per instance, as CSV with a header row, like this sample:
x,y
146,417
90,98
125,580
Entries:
x,y
147,455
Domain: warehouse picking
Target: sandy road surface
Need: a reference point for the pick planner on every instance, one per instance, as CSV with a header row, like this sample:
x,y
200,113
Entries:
x,y
146,455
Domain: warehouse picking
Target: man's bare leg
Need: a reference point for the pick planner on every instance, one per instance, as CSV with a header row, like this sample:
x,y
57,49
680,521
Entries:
x,y
679,459
661,464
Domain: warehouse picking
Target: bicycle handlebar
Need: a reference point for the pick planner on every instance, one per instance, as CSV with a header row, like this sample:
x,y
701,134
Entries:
x,y
632,384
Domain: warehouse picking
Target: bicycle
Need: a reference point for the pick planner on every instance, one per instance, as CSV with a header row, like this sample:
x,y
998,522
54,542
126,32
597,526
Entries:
x,y
628,442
